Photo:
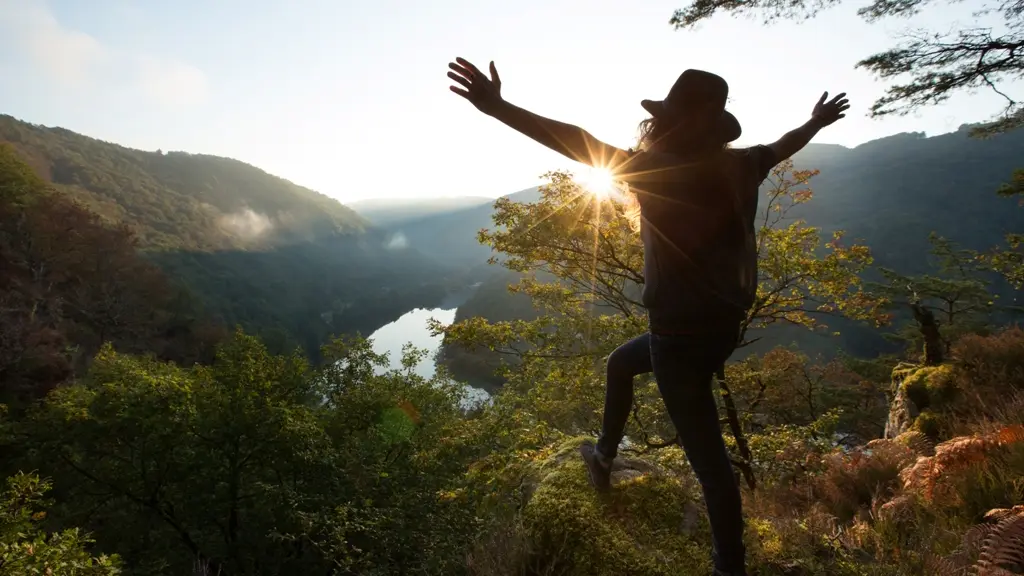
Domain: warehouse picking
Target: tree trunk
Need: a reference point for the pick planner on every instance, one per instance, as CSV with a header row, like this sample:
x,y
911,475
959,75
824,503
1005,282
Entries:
x,y
733,416
934,348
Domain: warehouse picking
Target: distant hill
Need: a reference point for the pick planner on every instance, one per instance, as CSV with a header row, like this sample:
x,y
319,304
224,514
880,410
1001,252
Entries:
x,y
394,211
450,237
285,262
70,283
889,193
892,192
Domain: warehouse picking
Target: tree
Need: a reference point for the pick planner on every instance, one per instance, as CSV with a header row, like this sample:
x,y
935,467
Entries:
x,y
954,301
1009,260
591,304
937,65
25,548
259,464
70,282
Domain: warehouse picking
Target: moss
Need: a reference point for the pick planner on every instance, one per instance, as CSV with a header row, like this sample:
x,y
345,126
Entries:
x,y
930,386
634,529
928,423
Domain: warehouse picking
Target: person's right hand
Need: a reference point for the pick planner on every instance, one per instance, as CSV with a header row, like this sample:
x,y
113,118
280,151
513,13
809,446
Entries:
x,y
828,112
482,92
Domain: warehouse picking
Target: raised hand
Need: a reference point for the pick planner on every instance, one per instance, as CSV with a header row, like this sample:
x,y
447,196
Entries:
x,y
481,91
828,112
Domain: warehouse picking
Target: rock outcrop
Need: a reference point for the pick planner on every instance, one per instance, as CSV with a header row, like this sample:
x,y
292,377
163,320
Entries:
x,y
919,393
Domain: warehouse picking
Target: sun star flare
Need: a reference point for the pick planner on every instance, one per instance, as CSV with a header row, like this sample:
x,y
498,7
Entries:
x,y
597,181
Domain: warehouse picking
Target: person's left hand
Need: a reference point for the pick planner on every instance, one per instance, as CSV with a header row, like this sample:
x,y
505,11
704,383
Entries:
x,y
482,92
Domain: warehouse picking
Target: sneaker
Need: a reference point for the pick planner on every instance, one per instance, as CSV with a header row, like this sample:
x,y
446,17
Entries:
x,y
599,468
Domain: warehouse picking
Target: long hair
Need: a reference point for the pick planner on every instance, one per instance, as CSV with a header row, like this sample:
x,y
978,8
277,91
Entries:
x,y
654,134
649,132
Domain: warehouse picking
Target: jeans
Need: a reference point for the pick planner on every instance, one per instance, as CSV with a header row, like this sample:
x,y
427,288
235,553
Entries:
x,y
684,366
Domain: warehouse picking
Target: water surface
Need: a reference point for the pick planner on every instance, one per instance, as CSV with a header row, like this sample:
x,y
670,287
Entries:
x,y
411,328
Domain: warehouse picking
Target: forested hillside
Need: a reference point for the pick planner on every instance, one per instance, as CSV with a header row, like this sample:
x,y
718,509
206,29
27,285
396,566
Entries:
x,y
70,283
177,200
283,261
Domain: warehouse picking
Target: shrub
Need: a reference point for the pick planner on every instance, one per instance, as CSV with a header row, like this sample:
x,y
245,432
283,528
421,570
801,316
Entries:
x,y
26,549
851,482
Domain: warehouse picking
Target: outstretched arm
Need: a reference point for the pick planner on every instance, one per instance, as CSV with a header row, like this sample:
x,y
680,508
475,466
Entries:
x,y
570,141
824,114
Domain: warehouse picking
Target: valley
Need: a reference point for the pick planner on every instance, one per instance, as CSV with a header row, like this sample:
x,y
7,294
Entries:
x,y
295,267
278,298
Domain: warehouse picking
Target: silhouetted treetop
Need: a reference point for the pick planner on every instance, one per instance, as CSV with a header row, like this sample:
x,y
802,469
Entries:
x,y
935,65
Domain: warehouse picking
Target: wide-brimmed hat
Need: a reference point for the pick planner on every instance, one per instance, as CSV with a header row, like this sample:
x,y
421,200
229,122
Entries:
x,y
697,92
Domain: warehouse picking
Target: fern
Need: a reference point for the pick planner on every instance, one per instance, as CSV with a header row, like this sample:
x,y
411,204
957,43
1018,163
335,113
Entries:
x,y
918,442
957,454
1003,550
993,548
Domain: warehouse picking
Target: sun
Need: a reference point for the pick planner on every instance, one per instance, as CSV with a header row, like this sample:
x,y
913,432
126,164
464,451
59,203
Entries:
x,y
597,181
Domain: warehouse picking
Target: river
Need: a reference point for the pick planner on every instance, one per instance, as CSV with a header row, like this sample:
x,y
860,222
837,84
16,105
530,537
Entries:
x,y
411,328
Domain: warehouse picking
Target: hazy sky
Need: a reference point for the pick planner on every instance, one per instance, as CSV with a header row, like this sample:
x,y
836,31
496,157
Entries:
x,y
351,99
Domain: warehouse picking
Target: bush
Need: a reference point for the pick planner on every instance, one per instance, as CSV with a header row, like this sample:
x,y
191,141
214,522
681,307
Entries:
x,y
852,482
26,549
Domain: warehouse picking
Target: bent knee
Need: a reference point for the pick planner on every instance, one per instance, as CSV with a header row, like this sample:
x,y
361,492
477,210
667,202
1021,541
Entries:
x,y
624,364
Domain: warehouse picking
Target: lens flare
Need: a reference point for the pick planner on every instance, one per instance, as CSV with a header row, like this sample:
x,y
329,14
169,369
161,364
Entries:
x,y
597,181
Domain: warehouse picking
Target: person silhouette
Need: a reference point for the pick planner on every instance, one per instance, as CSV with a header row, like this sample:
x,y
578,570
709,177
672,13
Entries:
x,y
698,200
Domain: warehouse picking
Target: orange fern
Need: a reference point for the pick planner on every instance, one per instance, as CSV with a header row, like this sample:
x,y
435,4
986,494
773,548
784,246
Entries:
x,y
954,455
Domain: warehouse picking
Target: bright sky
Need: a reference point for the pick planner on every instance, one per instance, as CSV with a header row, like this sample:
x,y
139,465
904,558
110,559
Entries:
x,y
350,97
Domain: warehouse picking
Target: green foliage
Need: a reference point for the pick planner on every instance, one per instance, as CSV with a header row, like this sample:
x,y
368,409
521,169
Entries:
x,y
800,283
258,464
635,530
592,304
957,293
493,301
26,548
784,387
1009,259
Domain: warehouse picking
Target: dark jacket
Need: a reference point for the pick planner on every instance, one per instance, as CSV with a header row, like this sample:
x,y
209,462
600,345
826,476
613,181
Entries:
x,y
700,247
